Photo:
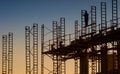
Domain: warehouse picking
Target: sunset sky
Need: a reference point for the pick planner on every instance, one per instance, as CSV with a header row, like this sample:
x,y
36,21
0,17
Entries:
x,y
16,14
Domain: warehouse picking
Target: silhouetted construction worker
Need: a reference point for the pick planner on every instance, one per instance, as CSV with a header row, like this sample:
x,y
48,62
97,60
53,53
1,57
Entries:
x,y
52,47
61,44
86,18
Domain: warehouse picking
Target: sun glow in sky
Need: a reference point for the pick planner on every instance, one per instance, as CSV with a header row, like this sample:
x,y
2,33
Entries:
x,y
16,14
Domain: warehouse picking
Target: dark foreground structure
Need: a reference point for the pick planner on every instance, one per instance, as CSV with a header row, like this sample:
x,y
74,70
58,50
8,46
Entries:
x,y
92,44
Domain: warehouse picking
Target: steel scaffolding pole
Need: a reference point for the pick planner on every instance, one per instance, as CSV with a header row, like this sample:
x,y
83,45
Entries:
x,y
114,27
10,53
83,27
103,31
35,48
76,29
62,43
4,54
76,37
28,53
93,19
114,14
62,26
93,31
103,18
42,49
83,59
55,46
55,23
27,49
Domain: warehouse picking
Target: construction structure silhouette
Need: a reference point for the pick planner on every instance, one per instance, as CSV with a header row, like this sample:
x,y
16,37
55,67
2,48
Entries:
x,y
31,53
94,48
7,53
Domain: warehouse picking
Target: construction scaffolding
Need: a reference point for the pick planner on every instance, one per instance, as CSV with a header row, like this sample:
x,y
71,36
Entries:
x,y
31,54
94,48
7,54
76,37
10,53
4,54
58,42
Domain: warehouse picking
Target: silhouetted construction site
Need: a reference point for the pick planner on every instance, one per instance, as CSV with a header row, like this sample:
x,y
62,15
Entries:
x,y
94,47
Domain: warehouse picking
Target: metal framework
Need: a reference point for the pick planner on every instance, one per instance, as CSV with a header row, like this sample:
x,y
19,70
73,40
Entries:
x,y
93,19
115,26
103,17
42,49
114,14
27,44
4,54
7,54
83,28
76,29
10,53
93,31
35,48
34,59
83,59
56,60
99,46
62,44
76,37
103,46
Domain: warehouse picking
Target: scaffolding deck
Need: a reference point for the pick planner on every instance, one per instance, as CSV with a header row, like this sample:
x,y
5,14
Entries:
x,y
81,44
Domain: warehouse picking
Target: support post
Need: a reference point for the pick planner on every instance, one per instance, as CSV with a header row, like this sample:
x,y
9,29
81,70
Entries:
x,y
104,62
27,49
10,53
4,54
83,64
42,49
35,48
76,37
114,14
62,44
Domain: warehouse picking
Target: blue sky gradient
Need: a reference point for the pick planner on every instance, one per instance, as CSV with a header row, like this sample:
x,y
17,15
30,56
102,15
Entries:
x,y
18,13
